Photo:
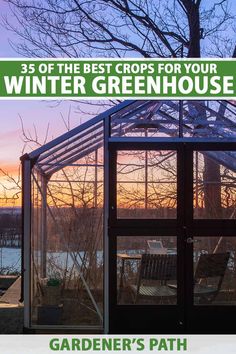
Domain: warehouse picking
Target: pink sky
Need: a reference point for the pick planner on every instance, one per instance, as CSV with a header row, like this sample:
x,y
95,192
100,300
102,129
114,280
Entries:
x,y
38,113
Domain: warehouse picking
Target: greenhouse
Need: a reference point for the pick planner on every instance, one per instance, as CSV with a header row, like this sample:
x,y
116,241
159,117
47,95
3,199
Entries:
x,y
129,222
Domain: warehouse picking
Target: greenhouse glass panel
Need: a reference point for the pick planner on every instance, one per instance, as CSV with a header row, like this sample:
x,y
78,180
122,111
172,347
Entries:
x,y
140,197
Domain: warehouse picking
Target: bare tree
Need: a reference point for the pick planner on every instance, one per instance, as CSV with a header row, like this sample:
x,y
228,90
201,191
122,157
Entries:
x,y
120,28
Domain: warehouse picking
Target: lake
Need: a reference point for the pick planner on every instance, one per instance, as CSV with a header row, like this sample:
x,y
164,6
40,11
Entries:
x,y
10,258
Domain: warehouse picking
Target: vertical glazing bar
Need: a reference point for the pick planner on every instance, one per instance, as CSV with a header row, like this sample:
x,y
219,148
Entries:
x,y
27,239
181,104
43,237
22,233
96,180
146,175
146,180
196,183
106,218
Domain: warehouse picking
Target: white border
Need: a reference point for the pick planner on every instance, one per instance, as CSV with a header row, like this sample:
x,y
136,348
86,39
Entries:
x,y
117,59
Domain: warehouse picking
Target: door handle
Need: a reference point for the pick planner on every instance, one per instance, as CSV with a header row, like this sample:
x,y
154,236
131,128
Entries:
x,y
191,240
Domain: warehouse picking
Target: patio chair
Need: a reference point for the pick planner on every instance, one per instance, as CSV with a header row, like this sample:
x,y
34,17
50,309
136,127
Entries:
x,y
209,266
155,271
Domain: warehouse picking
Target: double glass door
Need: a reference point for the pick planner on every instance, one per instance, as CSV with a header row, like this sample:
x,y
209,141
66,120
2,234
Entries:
x,y
172,237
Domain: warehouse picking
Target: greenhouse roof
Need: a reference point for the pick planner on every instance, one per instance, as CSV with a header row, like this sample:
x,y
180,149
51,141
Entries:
x,y
146,119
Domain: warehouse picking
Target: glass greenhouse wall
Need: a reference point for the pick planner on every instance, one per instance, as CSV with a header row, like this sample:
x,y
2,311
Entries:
x,y
67,244
64,242
101,194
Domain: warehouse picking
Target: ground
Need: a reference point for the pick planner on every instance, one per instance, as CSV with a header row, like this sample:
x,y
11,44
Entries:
x,y
11,312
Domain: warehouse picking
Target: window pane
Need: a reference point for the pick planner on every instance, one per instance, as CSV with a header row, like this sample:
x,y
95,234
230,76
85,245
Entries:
x,y
215,270
146,184
147,119
214,185
67,246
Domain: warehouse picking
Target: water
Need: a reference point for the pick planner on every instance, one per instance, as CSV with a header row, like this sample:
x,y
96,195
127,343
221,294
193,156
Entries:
x,y
10,258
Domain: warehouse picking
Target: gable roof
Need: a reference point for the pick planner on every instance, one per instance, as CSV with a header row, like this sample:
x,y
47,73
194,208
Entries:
x,y
129,118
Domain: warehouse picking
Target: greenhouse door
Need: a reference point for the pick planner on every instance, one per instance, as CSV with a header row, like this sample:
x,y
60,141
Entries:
x,y
172,244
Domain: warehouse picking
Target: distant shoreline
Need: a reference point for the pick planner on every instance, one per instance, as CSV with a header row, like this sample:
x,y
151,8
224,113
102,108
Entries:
x,y
8,210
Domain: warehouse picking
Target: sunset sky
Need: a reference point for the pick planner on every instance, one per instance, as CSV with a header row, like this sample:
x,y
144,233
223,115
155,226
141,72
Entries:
x,y
38,113
33,113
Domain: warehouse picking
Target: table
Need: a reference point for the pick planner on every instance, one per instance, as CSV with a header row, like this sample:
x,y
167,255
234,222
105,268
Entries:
x,y
124,257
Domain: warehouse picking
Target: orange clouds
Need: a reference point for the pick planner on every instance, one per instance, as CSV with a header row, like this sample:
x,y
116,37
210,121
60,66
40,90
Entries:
x,y
12,169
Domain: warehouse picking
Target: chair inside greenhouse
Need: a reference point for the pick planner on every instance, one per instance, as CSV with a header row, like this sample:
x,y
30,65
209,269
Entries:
x,y
210,266
155,271
100,196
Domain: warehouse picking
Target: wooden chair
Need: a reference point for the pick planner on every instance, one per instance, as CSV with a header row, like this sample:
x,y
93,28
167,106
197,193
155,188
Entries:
x,y
209,266
160,269
155,271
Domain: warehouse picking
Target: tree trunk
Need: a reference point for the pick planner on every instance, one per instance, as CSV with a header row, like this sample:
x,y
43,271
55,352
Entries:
x,y
194,31
212,189
211,176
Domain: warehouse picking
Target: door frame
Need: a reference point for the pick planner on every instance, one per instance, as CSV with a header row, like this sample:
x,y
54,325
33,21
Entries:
x,y
182,227
205,319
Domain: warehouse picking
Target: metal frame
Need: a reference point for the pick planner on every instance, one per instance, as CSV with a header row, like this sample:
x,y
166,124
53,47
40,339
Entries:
x,y
184,226
181,121
120,314
106,221
26,248
190,117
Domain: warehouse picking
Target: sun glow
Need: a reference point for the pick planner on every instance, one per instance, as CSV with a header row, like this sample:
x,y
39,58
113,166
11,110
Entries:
x,y
10,186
